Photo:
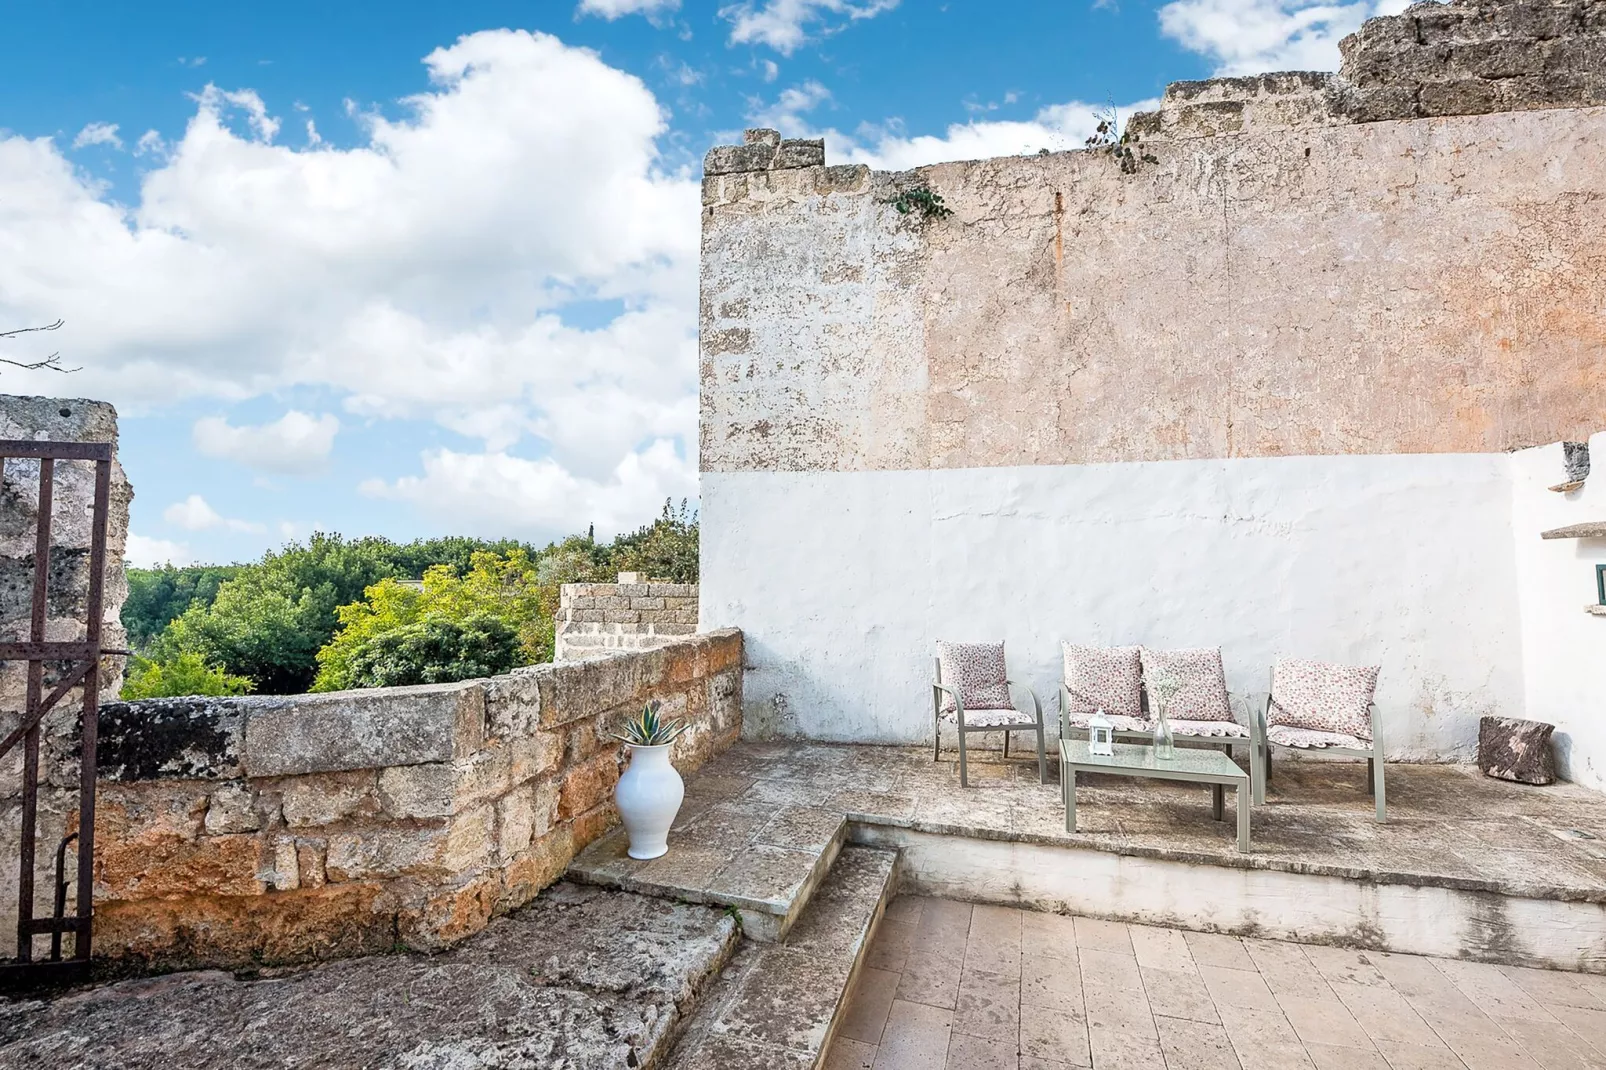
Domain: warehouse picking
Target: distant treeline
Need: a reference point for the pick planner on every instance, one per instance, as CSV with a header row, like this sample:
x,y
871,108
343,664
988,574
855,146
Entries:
x,y
334,613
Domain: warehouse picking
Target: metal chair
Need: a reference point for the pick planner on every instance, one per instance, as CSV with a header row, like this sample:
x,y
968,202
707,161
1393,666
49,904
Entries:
x,y
996,719
1270,735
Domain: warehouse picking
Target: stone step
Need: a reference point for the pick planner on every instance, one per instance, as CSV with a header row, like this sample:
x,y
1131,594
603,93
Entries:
x,y
761,859
776,1006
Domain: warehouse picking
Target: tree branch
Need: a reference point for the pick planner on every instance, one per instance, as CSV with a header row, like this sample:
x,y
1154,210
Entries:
x,y
52,362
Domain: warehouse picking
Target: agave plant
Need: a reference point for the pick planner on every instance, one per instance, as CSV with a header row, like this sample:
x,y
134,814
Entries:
x,y
648,729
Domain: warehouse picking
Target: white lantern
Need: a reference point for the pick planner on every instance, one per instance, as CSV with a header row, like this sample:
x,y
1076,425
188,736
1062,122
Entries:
x,y
1100,734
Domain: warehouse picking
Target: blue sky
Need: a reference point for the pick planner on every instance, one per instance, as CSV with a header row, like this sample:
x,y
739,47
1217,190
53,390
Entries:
x,y
413,269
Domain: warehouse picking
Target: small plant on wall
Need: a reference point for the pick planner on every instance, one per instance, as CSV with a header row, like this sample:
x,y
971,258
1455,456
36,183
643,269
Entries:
x,y
1108,139
922,201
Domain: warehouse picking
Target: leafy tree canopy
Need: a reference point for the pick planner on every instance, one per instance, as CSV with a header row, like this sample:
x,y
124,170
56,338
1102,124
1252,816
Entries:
x,y
506,588
666,549
157,595
183,674
436,650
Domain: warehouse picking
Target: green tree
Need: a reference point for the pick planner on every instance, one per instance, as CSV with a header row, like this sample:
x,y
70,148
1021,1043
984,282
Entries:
x,y
158,595
505,587
182,674
666,549
436,650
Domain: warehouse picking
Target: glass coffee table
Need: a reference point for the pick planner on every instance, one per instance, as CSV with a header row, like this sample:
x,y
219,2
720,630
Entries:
x,y
1194,765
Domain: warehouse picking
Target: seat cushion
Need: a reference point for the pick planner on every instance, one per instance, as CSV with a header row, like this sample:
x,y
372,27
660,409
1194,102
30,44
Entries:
x,y
1104,678
1222,729
1120,723
1201,692
1308,738
991,718
976,671
1322,696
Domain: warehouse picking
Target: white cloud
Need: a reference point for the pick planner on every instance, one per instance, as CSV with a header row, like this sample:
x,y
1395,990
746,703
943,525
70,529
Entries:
x,y
142,552
98,134
498,492
420,274
886,147
149,141
194,514
294,444
1255,36
613,9
784,25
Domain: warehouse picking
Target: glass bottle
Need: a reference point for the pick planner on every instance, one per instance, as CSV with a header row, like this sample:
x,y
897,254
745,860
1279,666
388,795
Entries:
x,y
1165,747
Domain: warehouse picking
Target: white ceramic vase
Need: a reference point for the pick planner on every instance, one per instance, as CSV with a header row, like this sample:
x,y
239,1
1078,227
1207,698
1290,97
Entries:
x,y
649,796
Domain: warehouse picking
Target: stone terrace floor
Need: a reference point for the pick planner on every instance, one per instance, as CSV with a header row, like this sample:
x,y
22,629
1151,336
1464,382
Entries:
x,y
758,817
948,985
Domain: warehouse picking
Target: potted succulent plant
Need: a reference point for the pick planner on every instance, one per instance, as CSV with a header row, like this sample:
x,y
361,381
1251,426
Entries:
x,y
650,791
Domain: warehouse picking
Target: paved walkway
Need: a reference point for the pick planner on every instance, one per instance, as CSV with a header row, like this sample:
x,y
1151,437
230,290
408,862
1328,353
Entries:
x,y
995,988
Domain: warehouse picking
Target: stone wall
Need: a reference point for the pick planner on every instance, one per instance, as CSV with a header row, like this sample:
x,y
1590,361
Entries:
x,y
595,618
279,829
60,420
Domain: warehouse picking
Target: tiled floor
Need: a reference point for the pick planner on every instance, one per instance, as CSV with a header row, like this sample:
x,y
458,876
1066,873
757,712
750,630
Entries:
x,y
949,985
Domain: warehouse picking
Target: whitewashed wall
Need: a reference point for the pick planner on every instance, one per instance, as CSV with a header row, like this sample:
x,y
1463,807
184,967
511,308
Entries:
x,y
1564,648
843,581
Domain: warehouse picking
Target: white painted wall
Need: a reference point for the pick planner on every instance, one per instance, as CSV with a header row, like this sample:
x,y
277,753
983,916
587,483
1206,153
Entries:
x,y
1564,647
843,581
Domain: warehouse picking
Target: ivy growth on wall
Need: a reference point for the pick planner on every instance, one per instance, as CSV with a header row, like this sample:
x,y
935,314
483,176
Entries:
x,y
922,200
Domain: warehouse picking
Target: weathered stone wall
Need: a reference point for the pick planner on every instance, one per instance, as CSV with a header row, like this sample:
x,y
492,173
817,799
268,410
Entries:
x,y
280,829
595,618
60,420
1293,282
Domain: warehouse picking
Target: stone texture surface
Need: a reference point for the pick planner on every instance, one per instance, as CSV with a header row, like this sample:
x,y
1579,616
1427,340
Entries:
x,y
60,420
595,618
1069,312
963,986
1448,826
777,1004
581,978
286,829
1514,749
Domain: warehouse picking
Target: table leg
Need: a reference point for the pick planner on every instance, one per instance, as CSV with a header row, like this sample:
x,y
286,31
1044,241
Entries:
x,y
1068,786
1217,793
1243,818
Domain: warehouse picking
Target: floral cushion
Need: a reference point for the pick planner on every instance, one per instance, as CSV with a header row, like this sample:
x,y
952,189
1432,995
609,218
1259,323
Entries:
x,y
1118,722
1203,694
1306,738
1323,697
990,718
976,671
1224,729
1104,678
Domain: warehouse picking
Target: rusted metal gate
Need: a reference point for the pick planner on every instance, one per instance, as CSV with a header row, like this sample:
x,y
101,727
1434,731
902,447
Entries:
x,y
72,664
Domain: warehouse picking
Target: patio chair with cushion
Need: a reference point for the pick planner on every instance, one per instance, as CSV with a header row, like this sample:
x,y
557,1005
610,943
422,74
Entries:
x,y
1114,679
971,690
1315,705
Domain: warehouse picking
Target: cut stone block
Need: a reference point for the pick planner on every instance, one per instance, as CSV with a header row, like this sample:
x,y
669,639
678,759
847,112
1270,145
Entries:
x,y
1514,749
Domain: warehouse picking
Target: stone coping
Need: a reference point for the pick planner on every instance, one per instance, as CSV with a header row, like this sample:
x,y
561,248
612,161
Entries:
x,y
1448,826
196,738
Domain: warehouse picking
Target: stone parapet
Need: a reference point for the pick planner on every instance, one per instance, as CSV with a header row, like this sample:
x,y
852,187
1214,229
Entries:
x,y
259,830
598,618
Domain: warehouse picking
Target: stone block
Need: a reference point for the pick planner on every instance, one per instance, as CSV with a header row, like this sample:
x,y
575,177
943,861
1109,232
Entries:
x,y
368,729
152,867
418,791
513,702
231,808
800,152
186,738
613,601
305,925
309,863
588,785
135,812
285,871
535,755
448,915
515,821
329,797
737,159
545,860
648,603
1511,748
388,851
